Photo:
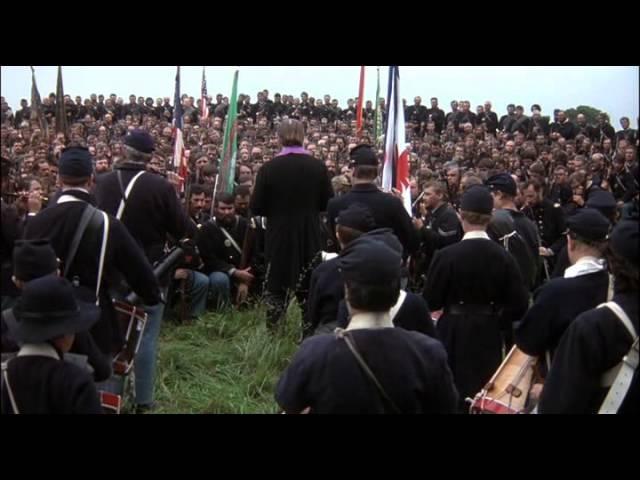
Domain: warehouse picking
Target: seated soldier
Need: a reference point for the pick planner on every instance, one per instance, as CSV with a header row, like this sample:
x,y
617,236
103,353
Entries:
x,y
38,381
242,201
221,244
191,285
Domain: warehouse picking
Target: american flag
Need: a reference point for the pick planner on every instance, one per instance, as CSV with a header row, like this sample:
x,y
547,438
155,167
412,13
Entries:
x,y
205,97
179,158
396,154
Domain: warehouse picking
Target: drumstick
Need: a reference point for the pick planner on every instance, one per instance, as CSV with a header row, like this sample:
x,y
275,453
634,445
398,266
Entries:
x,y
418,200
492,382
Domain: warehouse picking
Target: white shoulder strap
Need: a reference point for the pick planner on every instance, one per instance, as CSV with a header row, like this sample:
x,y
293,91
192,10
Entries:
x,y
624,372
506,238
127,193
396,309
231,239
12,399
622,315
611,290
103,252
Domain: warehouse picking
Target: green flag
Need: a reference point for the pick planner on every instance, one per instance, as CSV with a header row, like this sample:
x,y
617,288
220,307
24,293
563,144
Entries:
x,y
36,106
230,145
377,128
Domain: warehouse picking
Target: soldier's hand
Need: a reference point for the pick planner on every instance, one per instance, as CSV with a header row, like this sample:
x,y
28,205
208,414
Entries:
x,y
536,393
243,294
546,252
244,276
396,193
423,209
175,180
182,274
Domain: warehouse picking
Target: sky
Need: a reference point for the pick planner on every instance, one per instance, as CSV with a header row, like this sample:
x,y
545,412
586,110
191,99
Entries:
x,y
613,89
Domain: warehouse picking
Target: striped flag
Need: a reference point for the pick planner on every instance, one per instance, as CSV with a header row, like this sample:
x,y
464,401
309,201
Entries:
x,y
377,127
360,102
205,97
230,145
61,113
179,159
396,156
36,106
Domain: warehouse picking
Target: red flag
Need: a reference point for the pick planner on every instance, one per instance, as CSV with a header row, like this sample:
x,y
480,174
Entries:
x,y
396,157
360,106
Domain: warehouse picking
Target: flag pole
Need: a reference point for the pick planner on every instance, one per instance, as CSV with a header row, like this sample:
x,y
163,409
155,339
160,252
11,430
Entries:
x,y
359,113
204,98
377,128
61,113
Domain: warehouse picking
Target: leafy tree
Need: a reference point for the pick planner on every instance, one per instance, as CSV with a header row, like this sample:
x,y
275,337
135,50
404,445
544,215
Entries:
x,y
590,113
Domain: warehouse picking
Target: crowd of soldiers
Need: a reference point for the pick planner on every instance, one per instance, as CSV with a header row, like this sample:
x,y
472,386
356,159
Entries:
x,y
507,239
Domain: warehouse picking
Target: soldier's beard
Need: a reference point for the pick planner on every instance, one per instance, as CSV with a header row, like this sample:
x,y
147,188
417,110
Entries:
x,y
226,221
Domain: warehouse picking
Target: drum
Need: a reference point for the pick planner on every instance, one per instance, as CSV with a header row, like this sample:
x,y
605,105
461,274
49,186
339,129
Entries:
x,y
508,391
132,320
111,403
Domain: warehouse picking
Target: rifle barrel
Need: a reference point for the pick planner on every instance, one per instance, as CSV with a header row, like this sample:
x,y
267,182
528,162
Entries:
x,y
161,270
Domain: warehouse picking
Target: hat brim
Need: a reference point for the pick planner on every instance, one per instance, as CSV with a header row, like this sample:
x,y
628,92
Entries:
x,y
25,330
502,189
138,148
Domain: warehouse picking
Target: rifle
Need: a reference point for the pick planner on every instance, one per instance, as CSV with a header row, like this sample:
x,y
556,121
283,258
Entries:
x,y
213,199
248,245
162,269
547,269
418,200
445,179
249,242
185,299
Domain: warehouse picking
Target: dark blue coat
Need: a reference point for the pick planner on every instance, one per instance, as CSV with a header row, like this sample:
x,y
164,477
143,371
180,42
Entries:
x,y
325,376
387,211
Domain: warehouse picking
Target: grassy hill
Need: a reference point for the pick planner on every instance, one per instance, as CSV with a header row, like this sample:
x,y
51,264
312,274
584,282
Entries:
x,y
224,364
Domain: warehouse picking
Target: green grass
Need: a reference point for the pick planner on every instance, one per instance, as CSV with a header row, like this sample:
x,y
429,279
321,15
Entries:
x,y
224,364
